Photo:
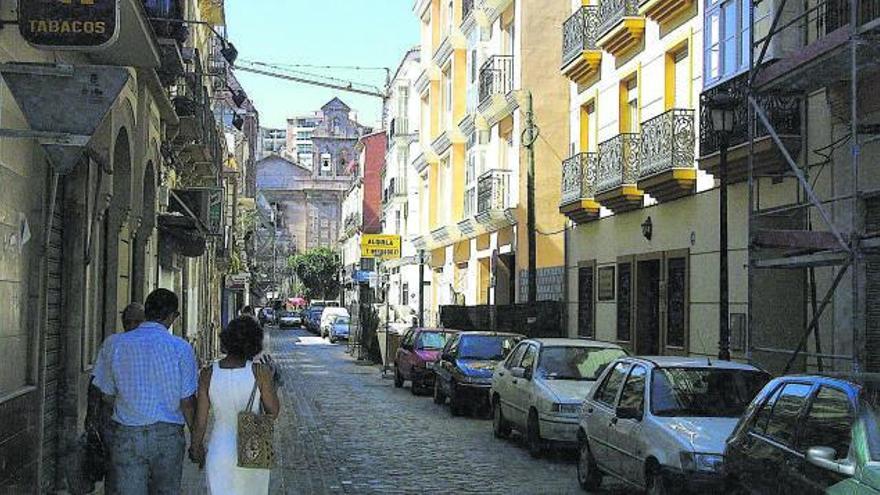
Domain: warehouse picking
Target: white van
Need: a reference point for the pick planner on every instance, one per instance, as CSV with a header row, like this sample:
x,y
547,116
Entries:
x,y
328,315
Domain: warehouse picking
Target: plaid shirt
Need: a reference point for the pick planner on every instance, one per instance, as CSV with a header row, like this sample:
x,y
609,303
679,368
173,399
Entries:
x,y
149,371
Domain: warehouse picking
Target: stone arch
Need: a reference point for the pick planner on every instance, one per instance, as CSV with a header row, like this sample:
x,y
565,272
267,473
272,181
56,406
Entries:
x,y
116,238
140,267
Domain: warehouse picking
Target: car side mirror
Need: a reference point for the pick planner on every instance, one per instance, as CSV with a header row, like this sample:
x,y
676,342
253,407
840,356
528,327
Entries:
x,y
518,372
628,413
825,458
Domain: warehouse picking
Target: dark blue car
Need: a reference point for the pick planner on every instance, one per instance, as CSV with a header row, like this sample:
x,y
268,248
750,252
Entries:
x,y
465,367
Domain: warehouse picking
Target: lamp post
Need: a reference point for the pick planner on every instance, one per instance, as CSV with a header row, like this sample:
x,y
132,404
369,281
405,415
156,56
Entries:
x,y
722,110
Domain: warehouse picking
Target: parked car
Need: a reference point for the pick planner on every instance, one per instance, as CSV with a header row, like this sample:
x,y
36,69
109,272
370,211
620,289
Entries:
x,y
660,423
287,319
328,316
463,372
808,435
313,319
340,328
418,348
539,388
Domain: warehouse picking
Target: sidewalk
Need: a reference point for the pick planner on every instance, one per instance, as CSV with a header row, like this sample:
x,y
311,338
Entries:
x,y
193,478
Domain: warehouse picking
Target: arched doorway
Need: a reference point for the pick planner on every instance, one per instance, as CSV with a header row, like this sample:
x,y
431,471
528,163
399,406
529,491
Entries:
x,y
143,263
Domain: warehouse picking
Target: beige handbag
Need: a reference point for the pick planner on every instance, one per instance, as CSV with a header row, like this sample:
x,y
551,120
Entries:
x,y
255,432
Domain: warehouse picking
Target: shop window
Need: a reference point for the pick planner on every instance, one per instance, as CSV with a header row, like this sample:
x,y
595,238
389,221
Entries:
x,y
585,302
676,302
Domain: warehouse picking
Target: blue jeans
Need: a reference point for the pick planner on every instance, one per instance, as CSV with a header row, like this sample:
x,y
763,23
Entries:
x,y
147,460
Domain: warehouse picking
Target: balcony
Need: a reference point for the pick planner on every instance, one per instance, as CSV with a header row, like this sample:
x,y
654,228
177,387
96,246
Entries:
x,y
396,189
578,195
581,57
817,47
467,8
665,11
163,16
621,27
496,81
782,111
490,10
494,198
666,168
618,172
197,141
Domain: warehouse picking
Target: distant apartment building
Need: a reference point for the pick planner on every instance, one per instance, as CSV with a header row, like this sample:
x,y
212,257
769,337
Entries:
x,y
299,138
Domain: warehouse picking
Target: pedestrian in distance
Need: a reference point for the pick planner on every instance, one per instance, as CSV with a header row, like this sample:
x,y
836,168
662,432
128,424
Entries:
x,y
99,414
225,389
152,377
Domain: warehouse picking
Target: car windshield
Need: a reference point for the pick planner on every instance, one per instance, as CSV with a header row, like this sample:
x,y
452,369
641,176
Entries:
x,y
289,313
491,347
431,341
342,320
704,392
575,363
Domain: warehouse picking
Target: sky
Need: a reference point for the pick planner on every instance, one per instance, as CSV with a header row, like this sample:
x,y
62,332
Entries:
x,y
363,33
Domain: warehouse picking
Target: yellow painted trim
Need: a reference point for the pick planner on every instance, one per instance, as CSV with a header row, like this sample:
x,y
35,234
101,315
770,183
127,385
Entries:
x,y
684,174
631,191
669,80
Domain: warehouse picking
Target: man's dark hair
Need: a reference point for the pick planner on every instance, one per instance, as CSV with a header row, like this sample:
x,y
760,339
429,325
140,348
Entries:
x,y
242,338
160,305
247,310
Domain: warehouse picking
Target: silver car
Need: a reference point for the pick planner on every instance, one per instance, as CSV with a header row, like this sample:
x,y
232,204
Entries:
x,y
660,423
539,388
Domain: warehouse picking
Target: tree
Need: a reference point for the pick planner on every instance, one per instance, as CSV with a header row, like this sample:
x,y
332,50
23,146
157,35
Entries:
x,y
318,270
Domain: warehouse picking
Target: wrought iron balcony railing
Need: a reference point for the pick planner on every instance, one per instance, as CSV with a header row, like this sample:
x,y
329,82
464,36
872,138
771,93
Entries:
x,y
667,142
579,32
172,10
578,177
782,111
613,11
618,162
493,191
496,76
831,15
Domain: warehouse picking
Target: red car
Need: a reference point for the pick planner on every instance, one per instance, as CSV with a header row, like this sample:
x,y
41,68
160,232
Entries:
x,y
419,347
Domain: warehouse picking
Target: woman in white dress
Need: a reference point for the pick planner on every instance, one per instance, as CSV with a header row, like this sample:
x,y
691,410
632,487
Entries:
x,y
224,391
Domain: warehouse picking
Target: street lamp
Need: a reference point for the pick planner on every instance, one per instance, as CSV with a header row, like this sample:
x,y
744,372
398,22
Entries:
x,y
722,109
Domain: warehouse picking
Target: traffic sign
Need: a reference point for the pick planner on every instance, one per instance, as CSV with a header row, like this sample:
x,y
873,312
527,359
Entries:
x,y
380,246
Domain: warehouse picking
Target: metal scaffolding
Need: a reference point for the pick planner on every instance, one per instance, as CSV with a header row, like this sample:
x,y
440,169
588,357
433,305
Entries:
x,y
813,250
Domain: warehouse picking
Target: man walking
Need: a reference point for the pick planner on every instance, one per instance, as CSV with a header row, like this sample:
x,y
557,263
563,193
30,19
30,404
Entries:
x,y
100,409
152,377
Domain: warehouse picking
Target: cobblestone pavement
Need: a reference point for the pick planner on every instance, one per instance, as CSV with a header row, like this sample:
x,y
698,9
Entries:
x,y
345,429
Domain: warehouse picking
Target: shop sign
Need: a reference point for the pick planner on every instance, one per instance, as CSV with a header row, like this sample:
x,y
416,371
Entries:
x,y
69,24
237,281
380,246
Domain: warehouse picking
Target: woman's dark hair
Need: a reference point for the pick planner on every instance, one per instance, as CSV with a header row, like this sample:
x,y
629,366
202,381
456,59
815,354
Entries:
x,y
160,305
242,338
247,310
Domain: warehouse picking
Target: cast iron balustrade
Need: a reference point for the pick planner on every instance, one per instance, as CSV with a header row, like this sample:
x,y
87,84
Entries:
x,y
578,177
401,126
171,10
579,33
834,14
618,162
496,76
492,190
467,7
612,12
782,111
667,142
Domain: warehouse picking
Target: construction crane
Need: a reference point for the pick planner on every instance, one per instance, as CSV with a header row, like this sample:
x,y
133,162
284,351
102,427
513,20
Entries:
x,y
282,72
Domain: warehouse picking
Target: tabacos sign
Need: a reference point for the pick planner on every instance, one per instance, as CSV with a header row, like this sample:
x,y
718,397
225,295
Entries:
x,y
69,24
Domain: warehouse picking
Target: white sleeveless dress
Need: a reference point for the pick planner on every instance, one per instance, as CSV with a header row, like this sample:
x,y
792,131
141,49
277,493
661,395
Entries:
x,y
229,393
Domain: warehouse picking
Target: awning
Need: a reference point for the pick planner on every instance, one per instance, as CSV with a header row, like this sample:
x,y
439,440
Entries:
x,y
181,234
65,123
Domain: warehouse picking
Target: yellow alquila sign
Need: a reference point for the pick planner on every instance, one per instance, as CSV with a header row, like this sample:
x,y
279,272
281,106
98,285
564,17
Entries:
x,y
380,246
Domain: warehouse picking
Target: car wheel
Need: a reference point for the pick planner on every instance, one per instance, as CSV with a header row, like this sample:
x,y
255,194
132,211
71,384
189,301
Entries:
x,y
657,484
500,426
416,387
439,398
533,435
333,339
589,476
454,401
398,378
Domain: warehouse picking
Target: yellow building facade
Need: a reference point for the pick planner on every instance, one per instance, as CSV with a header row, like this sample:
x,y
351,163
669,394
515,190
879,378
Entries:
x,y
475,81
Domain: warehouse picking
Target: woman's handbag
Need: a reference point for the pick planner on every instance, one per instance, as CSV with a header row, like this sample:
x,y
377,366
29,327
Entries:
x,y
255,432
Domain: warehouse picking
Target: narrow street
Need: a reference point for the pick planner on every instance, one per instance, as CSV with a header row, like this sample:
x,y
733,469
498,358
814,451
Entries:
x,y
345,429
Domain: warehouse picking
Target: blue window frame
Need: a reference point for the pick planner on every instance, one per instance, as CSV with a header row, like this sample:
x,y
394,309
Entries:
x,y
726,40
